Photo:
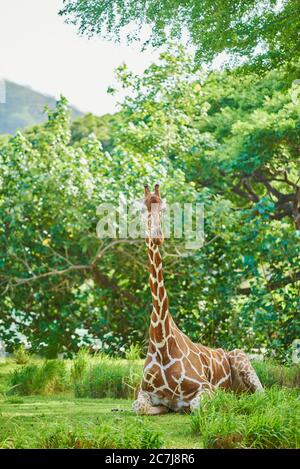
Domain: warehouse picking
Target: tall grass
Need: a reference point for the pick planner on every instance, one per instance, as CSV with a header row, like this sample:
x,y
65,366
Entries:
x,y
49,378
271,373
80,364
102,376
106,377
263,420
133,353
21,355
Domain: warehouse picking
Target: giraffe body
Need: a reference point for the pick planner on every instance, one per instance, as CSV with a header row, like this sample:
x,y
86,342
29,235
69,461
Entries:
x,y
177,372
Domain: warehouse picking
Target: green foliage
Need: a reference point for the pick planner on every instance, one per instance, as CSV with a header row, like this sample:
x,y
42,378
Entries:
x,y
261,420
109,378
228,142
238,146
14,400
55,260
87,125
264,33
21,355
48,378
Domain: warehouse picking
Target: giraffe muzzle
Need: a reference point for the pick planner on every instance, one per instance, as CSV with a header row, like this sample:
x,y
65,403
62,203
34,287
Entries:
x,y
157,236
158,240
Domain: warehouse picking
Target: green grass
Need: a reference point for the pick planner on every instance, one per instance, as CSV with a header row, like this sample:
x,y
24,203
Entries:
x,y
21,355
58,419
274,374
96,376
49,377
261,420
107,378
42,421
6,369
101,376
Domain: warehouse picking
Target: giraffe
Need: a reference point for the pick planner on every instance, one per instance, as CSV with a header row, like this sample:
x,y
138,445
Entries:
x,y
178,372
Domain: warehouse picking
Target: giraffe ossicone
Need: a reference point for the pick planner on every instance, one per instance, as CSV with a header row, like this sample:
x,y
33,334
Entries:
x,y
177,372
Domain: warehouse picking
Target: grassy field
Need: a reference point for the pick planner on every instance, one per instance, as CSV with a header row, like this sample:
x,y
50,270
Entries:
x,y
52,417
34,420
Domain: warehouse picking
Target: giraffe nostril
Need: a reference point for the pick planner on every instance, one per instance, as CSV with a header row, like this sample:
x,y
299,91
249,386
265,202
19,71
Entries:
x,y
158,240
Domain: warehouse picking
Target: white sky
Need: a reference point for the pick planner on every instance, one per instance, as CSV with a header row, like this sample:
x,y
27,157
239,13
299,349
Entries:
x,y
39,50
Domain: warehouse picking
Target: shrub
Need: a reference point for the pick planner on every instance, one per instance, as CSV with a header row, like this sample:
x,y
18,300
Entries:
x,y
264,420
48,378
109,378
21,355
135,435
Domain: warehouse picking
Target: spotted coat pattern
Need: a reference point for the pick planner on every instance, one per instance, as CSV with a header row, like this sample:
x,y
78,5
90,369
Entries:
x,y
177,372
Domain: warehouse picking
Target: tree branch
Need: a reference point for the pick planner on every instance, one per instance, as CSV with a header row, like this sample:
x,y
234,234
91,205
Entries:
x,y
101,250
273,285
21,281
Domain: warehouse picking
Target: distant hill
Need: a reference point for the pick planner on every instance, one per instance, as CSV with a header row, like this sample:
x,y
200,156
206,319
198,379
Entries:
x,y
24,108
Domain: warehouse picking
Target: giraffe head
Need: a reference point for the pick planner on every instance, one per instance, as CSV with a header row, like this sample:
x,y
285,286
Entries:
x,y
153,205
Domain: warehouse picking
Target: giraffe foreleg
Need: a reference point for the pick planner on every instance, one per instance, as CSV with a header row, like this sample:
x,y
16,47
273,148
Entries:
x,y
143,405
244,377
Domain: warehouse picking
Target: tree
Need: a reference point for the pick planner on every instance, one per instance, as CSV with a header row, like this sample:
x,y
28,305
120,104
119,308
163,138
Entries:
x,y
264,33
62,286
238,136
89,124
58,280
237,140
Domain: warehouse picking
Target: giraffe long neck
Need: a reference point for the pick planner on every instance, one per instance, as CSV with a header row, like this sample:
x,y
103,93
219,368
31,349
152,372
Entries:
x,y
160,317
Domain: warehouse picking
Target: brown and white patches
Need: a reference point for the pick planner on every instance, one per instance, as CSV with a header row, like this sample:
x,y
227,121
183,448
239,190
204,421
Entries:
x,y
178,372
244,377
143,405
